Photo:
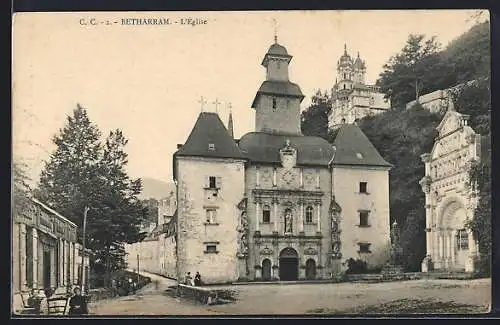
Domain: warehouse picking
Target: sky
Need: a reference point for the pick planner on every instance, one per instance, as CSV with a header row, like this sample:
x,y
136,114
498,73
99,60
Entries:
x,y
147,80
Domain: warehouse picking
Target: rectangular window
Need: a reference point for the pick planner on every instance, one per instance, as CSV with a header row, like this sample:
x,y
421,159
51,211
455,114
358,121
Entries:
x,y
274,103
363,218
211,146
362,187
364,248
211,249
462,239
210,214
212,182
266,215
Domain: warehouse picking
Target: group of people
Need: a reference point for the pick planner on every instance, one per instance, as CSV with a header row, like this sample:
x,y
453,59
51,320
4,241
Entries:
x,y
188,279
77,302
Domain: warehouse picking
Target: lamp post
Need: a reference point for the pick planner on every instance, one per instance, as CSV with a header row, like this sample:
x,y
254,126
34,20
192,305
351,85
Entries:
x,y
86,209
137,268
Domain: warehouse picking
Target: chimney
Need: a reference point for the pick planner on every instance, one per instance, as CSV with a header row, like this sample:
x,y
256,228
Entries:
x,y
179,146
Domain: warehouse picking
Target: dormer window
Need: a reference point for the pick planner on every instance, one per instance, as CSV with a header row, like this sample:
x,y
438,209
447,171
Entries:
x,y
211,146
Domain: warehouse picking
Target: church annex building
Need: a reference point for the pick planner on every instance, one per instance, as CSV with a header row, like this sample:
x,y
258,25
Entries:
x,y
275,204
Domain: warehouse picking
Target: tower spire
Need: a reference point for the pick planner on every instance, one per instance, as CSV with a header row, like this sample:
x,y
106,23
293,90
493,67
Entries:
x,y
230,121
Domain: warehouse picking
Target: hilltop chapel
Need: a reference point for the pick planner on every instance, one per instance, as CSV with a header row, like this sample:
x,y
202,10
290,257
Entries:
x,y
276,204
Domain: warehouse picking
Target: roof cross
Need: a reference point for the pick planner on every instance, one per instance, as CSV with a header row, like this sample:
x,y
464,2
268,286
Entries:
x,y
216,103
275,30
202,102
229,106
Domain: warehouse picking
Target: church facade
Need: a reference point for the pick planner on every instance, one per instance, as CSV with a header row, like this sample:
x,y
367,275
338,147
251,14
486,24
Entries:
x,y
352,98
450,201
275,204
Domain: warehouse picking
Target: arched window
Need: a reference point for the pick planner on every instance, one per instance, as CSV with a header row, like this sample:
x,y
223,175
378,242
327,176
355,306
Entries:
x,y
309,214
344,75
344,86
266,214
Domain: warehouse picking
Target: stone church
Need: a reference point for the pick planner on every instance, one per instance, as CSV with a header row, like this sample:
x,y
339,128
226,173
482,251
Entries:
x,y
352,97
275,204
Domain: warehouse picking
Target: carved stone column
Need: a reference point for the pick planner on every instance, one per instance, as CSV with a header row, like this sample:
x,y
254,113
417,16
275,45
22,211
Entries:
x,y
22,254
453,247
318,209
70,266
257,216
60,259
35,257
301,214
275,215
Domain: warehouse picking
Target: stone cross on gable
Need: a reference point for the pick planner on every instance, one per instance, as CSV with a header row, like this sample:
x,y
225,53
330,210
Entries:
x,y
229,106
216,103
202,102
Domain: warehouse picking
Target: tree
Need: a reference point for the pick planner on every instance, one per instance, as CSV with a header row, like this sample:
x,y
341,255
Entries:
x,y
416,70
314,119
470,53
480,224
20,188
401,137
84,172
474,99
152,209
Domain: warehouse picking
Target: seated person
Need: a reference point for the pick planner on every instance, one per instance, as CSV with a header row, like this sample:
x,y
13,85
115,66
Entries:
x,y
33,297
78,303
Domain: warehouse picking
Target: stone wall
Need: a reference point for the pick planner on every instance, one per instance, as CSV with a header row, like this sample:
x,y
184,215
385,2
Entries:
x,y
194,233
376,201
285,118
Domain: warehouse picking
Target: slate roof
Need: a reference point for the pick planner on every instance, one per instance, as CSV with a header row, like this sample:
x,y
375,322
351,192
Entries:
x,y
277,49
352,147
264,148
280,88
209,129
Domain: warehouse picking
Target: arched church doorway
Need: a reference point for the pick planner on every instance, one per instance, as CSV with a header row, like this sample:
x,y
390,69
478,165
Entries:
x,y
266,269
289,264
454,240
310,269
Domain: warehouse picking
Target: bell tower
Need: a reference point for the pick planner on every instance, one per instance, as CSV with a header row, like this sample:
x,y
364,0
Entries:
x,y
277,102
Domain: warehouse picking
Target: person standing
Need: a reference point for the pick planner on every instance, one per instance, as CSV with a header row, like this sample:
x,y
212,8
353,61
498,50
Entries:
x,y
78,303
188,279
197,279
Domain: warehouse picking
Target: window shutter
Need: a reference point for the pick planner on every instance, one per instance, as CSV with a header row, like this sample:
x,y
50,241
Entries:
x,y
218,181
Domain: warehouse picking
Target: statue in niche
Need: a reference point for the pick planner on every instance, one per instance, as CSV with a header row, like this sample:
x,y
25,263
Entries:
x,y
242,234
335,231
288,221
336,247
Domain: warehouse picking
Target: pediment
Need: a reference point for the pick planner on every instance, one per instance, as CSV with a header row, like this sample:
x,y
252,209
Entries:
x,y
288,155
451,121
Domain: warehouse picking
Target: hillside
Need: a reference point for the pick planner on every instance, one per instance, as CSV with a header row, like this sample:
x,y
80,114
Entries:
x,y
401,136
155,188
